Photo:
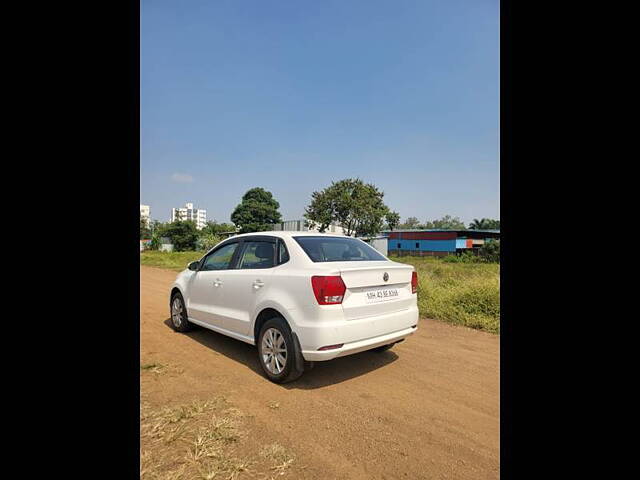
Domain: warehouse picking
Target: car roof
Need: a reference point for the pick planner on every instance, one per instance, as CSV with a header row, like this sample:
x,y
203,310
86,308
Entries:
x,y
289,234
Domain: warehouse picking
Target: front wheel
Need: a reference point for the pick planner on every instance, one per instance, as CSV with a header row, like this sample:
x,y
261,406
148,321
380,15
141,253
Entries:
x,y
179,320
277,351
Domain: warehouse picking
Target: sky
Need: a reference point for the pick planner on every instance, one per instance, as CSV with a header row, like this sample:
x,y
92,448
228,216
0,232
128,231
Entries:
x,y
292,95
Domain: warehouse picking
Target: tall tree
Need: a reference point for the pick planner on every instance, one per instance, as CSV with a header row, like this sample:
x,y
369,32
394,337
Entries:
x,y
409,223
446,223
393,219
356,206
257,212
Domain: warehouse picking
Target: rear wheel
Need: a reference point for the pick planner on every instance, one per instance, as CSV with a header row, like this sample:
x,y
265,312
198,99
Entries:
x,y
277,351
179,320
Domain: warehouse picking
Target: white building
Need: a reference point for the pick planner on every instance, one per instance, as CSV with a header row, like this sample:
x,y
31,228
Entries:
x,y
145,213
299,226
198,215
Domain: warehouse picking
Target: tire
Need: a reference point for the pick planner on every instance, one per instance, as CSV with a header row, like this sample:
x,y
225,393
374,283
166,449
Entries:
x,y
179,320
275,344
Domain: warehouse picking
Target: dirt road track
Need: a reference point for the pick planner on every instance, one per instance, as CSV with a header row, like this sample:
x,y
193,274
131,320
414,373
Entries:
x,y
427,409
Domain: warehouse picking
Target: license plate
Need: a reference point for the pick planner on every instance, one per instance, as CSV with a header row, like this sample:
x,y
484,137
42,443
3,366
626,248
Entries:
x,y
381,295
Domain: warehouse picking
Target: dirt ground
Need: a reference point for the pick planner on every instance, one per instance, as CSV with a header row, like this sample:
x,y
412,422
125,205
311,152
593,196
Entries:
x,y
427,409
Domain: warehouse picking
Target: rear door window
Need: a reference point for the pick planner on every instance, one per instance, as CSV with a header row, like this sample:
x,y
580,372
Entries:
x,y
257,255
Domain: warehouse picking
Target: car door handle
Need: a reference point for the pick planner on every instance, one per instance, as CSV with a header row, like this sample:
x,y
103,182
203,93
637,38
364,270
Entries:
x,y
257,284
217,282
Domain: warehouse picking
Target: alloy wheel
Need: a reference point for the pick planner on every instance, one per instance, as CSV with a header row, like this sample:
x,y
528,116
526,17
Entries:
x,y
274,351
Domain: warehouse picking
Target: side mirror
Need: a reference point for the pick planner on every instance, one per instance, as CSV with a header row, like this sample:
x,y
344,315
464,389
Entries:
x,y
193,265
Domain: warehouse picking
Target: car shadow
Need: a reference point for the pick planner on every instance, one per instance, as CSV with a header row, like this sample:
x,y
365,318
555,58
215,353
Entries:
x,y
321,375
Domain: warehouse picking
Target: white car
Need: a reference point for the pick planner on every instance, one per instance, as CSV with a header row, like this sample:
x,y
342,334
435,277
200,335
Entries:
x,y
301,297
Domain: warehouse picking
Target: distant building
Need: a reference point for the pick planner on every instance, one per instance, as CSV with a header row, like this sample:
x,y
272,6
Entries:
x,y
197,215
145,213
299,226
437,242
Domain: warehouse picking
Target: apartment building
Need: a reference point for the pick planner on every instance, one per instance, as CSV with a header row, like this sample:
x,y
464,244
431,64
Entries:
x,y
197,215
145,213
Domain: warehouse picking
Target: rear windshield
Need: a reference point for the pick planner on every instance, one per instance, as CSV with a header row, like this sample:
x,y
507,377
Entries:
x,y
335,249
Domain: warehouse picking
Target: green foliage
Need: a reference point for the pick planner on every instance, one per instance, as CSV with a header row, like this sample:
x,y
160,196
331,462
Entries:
x,y
183,234
176,261
155,242
464,257
490,251
393,219
216,228
459,293
353,204
257,212
446,223
484,224
409,223
207,241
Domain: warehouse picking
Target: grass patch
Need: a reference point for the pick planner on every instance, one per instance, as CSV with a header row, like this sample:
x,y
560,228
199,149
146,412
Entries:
x,y
459,293
190,441
205,440
176,261
281,459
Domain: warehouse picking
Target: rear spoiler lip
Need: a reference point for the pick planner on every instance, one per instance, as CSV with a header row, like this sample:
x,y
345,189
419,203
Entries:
x,y
387,267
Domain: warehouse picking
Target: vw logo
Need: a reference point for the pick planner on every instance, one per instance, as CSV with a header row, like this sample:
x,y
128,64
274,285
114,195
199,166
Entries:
x,y
385,277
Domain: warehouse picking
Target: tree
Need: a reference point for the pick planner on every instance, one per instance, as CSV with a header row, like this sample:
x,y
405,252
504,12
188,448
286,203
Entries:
x,y
484,224
446,223
215,228
393,219
208,241
183,234
144,230
409,223
353,204
490,251
257,212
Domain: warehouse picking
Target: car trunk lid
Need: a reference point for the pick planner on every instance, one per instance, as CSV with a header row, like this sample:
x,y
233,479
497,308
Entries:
x,y
369,294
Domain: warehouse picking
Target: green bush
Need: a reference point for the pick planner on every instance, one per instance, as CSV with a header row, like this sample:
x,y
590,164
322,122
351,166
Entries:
x,y
183,234
490,251
464,257
207,241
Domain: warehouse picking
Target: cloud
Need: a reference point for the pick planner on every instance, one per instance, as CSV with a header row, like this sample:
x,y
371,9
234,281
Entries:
x,y
182,178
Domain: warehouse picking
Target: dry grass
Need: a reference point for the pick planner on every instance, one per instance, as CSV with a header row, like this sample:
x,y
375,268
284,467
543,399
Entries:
x,y
200,440
277,454
156,368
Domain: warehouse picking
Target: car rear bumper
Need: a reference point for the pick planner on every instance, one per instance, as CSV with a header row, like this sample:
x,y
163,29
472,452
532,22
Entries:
x,y
355,335
355,347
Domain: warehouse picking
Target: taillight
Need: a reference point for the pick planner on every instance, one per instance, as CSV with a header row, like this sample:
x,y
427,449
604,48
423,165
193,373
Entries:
x,y
414,282
329,290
